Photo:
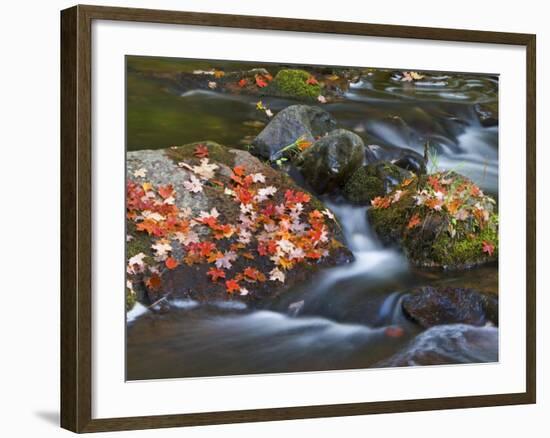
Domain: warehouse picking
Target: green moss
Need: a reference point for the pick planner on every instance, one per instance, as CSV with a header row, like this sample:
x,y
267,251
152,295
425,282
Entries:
x,y
439,239
467,248
216,152
363,186
293,83
389,223
140,242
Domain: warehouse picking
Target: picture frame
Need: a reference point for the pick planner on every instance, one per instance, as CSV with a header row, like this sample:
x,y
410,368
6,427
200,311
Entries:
x,y
76,217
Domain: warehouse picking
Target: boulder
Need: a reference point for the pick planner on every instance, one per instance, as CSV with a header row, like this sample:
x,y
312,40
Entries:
x,y
290,124
442,220
178,232
429,306
372,180
331,160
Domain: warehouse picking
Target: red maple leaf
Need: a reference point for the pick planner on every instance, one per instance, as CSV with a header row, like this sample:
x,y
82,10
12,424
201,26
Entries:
x,y
253,274
201,151
166,191
239,170
216,273
260,81
232,286
488,248
312,81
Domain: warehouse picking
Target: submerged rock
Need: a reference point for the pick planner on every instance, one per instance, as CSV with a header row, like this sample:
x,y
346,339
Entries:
x,y
429,306
187,237
487,113
441,220
402,157
448,344
331,160
290,124
372,180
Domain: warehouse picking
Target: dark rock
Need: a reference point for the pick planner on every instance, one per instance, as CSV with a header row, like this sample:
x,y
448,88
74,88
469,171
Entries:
x,y
448,344
331,161
487,113
372,180
429,306
405,158
289,125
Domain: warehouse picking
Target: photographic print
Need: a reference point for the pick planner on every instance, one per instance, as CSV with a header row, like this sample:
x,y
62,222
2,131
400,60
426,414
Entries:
x,y
299,218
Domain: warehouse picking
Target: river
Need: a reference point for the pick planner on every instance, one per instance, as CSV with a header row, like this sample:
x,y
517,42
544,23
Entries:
x,y
347,317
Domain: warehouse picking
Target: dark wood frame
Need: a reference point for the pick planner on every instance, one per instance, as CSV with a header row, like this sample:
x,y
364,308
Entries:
x,y
76,174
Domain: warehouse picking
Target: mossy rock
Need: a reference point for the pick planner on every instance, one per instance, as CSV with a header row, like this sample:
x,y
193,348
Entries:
x,y
331,160
372,180
457,232
293,83
190,280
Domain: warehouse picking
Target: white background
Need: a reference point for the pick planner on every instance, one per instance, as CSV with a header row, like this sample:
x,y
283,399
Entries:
x,y
30,219
112,397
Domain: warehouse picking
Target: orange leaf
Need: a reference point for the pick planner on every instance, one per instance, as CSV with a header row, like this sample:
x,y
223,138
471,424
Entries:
x,y
166,191
414,221
242,83
154,282
260,81
380,202
239,170
232,286
171,263
216,273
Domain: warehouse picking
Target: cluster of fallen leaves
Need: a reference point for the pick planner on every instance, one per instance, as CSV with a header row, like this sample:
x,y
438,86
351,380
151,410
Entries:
x,y
411,76
286,233
445,193
259,80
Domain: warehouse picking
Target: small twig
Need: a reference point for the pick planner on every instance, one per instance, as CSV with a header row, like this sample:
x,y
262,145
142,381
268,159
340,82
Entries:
x,y
159,300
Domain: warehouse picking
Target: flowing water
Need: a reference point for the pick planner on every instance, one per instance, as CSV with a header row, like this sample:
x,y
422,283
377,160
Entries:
x,y
347,316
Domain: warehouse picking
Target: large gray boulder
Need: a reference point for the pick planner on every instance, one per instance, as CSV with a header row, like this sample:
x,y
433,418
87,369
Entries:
x,y
152,170
331,160
289,125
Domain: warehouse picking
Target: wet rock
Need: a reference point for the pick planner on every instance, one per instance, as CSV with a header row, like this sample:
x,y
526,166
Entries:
x,y
429,306
405,158
289,125
487,113
448,344
331,160
372,180
190,281
442,220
